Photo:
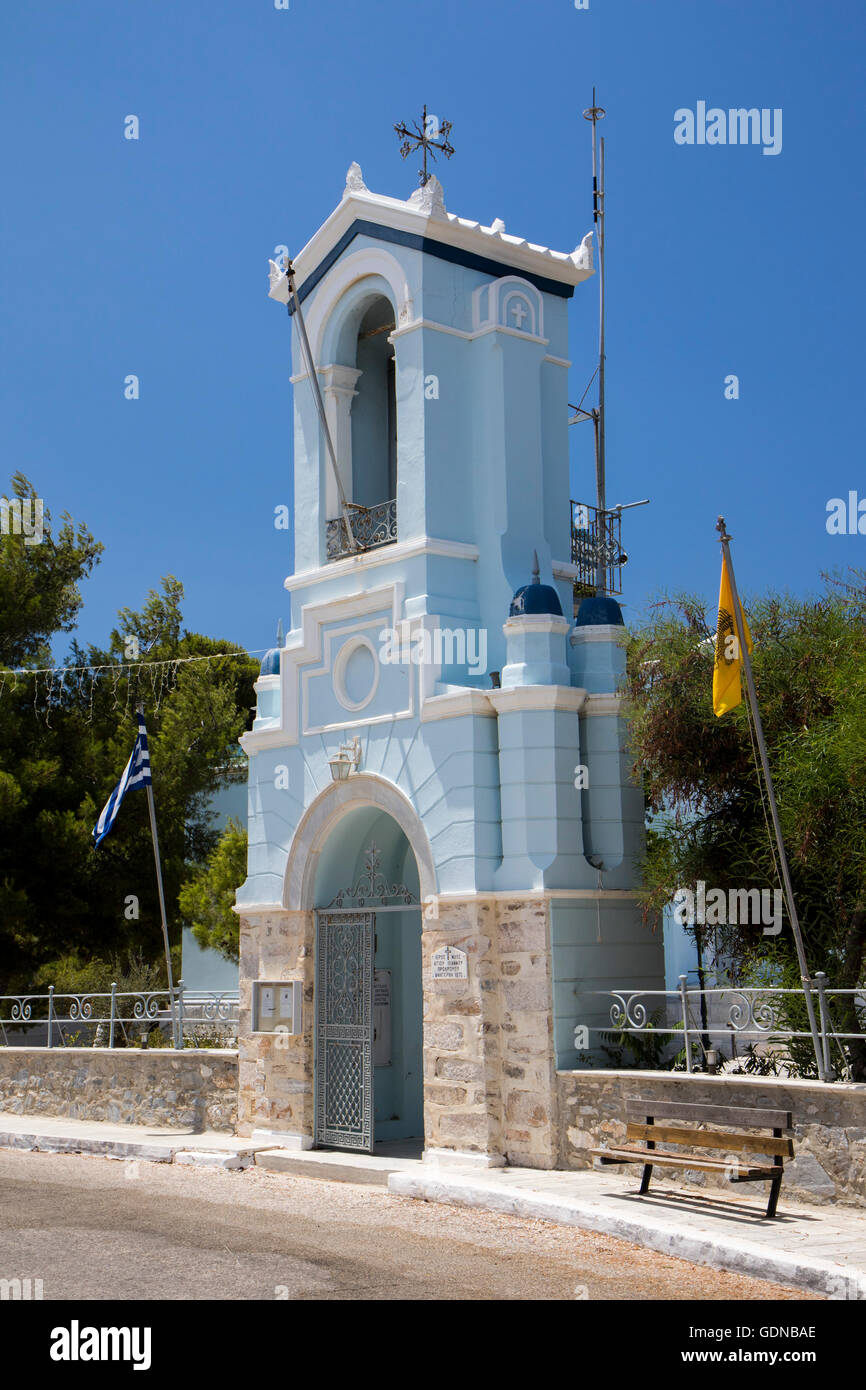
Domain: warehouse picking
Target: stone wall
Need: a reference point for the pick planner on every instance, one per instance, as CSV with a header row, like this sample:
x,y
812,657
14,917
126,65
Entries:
x,y
489,1077
275,1070
829,1164
193,1089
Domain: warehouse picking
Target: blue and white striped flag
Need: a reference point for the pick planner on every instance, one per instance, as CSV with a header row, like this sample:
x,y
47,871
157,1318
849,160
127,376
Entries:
x,y
136,774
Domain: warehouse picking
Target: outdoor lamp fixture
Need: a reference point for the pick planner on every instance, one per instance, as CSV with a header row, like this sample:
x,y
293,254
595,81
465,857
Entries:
x,y
346,761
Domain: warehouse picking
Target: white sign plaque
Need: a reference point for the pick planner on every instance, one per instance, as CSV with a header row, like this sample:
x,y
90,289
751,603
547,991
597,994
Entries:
x,y
450,964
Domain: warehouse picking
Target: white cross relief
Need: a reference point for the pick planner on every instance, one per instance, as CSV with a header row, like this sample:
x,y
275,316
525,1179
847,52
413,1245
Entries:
x,y
518,309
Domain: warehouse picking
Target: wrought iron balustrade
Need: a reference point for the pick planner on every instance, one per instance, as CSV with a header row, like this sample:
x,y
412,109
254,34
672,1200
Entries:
x,y
596,543
700,1020
119,1018
371,526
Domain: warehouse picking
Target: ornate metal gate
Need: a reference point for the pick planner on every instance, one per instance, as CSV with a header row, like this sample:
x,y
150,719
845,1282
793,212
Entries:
x,y
344,1029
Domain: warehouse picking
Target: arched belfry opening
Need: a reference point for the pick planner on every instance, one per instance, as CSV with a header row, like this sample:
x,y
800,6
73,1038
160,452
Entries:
x,y
361,394
374,409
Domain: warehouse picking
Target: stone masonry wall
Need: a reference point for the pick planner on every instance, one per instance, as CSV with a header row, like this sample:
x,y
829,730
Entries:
x,y
489,1077
275,1071
193,1089
829,1164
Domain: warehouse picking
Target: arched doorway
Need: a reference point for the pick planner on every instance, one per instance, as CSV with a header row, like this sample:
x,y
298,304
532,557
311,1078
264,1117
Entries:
x,y
368,1060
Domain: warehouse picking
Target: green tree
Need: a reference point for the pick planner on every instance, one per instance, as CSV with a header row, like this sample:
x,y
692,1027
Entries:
x,y
207,896
64,741
39,583
701,778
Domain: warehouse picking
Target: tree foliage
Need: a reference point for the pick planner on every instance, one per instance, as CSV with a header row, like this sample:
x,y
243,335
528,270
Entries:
x,y
207,896
701,779
62,750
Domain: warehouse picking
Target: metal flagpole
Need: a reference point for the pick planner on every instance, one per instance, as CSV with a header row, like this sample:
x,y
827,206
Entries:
x,y
320,405
178,1042
774,810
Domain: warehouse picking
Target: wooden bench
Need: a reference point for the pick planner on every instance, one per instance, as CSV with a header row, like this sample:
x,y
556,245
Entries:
x,y
650,1122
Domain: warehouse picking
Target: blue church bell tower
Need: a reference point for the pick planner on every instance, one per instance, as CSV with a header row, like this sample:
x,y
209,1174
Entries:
x,y
443,834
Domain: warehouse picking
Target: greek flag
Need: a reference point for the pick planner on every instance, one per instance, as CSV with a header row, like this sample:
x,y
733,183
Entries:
x,y
136,774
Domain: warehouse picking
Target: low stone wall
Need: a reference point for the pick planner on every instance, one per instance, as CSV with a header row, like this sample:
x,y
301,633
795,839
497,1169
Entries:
x,y
193,1089
829,1164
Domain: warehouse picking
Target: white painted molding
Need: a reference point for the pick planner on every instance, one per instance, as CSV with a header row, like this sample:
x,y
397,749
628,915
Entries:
x,y
563,569
455,703
406,215
359,643
602,632
557,361
535,622
492,305
533,895
339,799
537,697
383,555
604,703
471,336
358,265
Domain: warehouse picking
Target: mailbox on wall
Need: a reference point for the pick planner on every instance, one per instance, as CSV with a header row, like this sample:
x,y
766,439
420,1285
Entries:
x,y
277,1006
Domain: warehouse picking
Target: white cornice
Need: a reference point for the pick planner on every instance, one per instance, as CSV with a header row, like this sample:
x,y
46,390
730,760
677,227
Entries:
x,y
603,703
535,622
414,217
383,555
562,569
468,335
601,632
456,703
537,697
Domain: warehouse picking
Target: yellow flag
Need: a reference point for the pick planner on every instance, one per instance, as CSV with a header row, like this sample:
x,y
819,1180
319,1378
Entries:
x,y
727,683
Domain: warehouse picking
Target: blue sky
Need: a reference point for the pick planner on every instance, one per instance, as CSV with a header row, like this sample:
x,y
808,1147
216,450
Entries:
x,y
150,257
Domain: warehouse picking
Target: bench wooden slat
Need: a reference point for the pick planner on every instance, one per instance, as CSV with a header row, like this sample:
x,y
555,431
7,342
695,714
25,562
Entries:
x,y
738,1117
660,1158
712,1139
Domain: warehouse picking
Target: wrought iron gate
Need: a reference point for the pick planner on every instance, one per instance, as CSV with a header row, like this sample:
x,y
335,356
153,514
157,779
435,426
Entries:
x,y
344,1029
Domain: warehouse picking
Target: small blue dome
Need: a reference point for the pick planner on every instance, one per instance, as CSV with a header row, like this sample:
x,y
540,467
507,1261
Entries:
x,y
535,597
599,611
270,663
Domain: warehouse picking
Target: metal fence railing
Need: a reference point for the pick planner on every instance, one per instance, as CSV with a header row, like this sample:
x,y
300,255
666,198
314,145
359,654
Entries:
x,y
119,1018
694,1017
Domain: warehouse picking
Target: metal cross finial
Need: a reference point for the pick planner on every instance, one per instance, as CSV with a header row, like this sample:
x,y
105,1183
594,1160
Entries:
x,y
425,137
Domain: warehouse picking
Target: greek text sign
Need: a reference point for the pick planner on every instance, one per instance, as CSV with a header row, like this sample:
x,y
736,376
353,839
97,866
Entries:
x,y
450,964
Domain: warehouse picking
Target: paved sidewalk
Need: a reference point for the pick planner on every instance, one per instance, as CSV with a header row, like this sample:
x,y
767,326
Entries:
x,y
822,1249
56,1134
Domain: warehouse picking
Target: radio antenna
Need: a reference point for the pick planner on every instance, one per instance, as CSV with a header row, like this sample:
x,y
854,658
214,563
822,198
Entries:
x,y
596,114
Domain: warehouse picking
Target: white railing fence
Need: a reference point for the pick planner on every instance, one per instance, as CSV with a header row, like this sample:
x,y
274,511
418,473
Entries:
x,y
692,1018
119,1018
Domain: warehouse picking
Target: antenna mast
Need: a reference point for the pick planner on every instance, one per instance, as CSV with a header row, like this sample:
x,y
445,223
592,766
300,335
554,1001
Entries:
x,y
596,114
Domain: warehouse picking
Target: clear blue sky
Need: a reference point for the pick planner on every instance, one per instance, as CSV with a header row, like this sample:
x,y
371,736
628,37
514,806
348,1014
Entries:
x,y
150,257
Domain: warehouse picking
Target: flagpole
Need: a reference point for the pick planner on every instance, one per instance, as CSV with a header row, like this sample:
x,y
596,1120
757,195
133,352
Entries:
x,y
774,810
178,1042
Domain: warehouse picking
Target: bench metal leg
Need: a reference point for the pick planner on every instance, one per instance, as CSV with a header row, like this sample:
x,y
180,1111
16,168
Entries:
x,y
774,1195
645,1180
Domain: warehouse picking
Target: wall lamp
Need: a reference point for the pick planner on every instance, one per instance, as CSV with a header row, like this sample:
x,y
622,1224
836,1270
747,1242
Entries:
x,y
346,761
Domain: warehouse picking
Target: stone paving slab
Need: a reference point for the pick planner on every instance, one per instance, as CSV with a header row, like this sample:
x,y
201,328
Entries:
x,y
367,1169
822,1249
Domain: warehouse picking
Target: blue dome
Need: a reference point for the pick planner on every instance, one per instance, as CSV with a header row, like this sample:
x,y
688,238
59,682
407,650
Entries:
x,y
598,611
535,598
270,663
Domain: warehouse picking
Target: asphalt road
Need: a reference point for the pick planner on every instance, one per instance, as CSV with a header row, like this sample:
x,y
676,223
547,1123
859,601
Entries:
x,y
95,1228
